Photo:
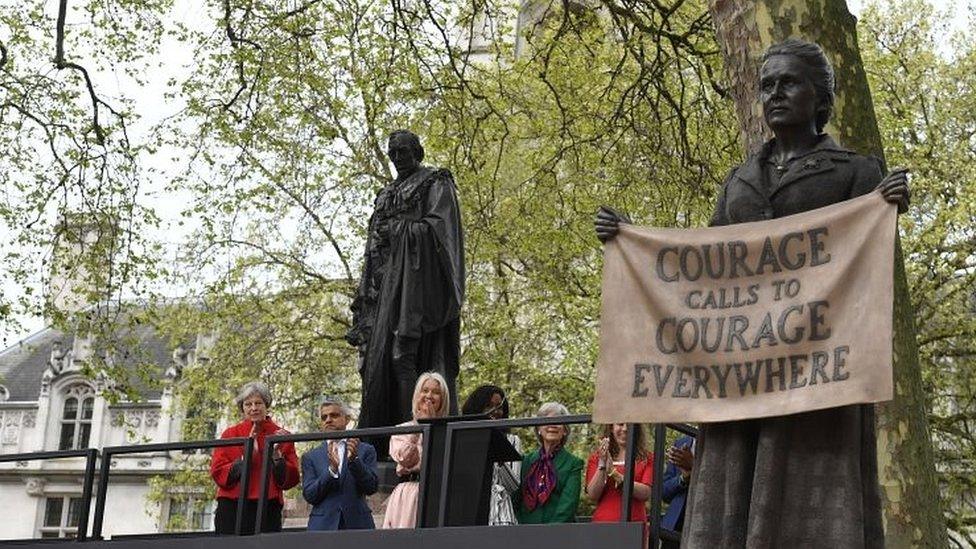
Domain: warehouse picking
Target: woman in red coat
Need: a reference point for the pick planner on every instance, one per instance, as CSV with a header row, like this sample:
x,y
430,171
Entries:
x,y
605,475
227,465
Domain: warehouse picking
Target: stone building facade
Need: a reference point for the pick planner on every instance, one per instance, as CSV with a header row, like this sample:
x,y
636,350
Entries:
x,y
48,404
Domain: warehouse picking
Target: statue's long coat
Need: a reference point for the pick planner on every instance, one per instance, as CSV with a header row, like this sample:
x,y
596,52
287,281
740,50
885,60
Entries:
x,y
804,480
411,288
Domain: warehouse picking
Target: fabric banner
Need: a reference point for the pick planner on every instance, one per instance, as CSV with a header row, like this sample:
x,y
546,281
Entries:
x,y
748,320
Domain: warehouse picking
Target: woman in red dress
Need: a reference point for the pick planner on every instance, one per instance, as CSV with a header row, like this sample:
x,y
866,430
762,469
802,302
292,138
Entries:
x,y
605,475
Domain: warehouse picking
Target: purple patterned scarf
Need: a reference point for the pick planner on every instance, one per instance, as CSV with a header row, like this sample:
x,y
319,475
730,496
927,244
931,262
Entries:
x,y
541,480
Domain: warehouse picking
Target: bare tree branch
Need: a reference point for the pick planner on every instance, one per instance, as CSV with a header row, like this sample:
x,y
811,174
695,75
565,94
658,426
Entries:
x,y
61,63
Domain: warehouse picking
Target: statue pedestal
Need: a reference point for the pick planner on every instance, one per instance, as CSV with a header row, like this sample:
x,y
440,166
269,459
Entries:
x,y
386,475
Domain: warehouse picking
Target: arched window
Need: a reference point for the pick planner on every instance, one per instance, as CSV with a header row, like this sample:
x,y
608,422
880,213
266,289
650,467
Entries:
x,y
76,418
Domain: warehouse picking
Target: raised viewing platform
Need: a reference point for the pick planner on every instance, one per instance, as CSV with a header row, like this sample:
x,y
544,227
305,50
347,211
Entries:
x,y
448,507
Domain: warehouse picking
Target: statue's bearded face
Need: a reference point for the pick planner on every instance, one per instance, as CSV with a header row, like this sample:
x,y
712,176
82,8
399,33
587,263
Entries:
x,y
403,154
786,90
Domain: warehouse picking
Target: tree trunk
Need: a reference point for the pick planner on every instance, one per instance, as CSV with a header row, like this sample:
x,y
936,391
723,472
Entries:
x,y
745,28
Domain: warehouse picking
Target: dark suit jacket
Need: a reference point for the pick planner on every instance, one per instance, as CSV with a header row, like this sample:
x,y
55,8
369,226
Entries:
x,y
343,497
674,491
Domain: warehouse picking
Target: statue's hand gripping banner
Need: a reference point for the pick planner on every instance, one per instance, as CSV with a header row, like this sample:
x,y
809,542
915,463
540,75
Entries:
x,y
748,320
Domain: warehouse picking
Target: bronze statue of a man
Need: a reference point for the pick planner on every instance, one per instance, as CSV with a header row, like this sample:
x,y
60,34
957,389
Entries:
x,y
406,313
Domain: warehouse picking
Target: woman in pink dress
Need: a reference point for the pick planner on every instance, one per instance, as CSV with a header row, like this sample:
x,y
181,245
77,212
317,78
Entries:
x,y
430,398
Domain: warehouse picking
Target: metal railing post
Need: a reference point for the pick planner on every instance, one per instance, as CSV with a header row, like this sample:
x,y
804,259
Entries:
x,y
627,493
445,476
86,493
104,471
657,488
424,473
263,494
245,485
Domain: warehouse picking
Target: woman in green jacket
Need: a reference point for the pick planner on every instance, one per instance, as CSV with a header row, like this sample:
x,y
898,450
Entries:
x,y
550,475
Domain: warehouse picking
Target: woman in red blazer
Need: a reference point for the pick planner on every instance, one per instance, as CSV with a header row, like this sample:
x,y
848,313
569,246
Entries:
x,y
227,465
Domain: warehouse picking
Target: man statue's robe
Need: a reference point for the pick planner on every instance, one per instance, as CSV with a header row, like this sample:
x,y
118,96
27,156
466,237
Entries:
x,y
406,313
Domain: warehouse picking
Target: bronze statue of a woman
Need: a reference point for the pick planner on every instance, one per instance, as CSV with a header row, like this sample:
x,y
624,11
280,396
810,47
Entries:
x,y
810,479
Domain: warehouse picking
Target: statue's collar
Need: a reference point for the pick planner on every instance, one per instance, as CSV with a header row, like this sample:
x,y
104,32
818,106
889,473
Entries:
x,y
406,188
824,144
414,179
751,169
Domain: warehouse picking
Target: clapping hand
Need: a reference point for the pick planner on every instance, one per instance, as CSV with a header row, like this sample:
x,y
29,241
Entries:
x,y
604,451
277,449
352,448
334,456
682,458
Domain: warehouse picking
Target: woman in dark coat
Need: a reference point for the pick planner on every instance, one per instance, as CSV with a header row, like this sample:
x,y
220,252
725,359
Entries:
x,y
810,479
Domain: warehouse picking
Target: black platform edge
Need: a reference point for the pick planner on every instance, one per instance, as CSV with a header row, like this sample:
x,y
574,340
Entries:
x,y
610,535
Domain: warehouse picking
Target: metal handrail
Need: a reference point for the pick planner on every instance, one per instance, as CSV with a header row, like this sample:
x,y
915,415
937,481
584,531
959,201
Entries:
x,y
106,454
491,424
106,469
657,531
32,456
90,455
684,429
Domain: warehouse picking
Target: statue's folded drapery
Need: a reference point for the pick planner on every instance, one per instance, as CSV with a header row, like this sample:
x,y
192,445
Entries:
x,y
406,310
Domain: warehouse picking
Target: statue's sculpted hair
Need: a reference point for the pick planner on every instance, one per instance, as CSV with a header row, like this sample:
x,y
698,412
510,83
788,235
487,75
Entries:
x,y
411,138
822,72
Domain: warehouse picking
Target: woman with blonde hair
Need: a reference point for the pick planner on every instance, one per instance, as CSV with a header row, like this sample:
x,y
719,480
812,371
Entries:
x,y
430,399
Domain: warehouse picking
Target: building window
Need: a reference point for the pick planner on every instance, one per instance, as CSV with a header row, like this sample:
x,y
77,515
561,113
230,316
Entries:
x,y
76,420
198,426
190,514
61,516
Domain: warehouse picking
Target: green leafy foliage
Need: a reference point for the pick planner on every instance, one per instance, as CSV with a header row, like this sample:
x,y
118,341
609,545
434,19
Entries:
x,y
923,79
288,118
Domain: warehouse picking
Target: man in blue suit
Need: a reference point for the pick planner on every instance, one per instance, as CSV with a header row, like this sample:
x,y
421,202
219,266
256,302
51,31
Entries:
x,y
681,459
338,475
